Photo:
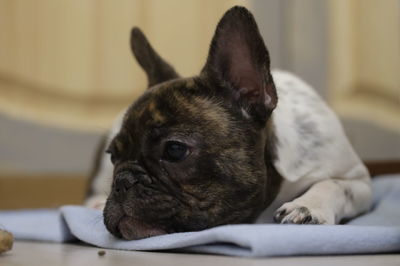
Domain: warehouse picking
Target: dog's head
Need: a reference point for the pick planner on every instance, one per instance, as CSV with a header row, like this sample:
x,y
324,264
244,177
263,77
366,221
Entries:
x,y
191,152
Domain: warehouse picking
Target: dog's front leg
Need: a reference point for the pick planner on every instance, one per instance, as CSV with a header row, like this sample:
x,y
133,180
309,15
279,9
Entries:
x,y
327,202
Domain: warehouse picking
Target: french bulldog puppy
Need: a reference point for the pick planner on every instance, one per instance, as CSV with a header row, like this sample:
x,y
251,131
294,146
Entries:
x,y
220,148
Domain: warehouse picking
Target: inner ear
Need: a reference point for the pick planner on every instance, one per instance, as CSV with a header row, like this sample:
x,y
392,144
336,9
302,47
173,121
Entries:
x,y
156,68
239,59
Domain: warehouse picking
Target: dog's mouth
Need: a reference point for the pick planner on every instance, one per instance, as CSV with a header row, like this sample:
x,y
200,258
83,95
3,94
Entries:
x,y
133,229
128,226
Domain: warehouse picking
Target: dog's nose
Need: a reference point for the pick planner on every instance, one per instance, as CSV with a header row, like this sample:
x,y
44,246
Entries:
x,y
124,181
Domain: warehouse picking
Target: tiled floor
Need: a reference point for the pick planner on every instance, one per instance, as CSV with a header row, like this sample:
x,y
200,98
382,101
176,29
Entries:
x,y
40,254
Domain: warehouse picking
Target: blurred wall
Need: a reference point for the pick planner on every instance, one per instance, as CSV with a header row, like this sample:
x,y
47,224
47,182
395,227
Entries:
x,y
66,68
349,51
68,63
364,68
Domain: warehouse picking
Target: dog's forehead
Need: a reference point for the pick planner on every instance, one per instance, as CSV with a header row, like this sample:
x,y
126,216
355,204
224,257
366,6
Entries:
x,y
179,101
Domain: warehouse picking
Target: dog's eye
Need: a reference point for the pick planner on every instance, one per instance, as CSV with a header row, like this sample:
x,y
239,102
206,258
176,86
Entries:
x,y
175,151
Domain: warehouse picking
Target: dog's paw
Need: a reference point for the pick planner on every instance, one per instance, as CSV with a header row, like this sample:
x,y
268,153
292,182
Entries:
x,y
292,213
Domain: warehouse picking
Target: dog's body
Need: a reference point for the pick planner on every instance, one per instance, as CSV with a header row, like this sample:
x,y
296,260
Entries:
x,y
261,156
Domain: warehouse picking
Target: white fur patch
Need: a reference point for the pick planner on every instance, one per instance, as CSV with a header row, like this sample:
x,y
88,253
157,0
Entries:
x,y
321,152
311,147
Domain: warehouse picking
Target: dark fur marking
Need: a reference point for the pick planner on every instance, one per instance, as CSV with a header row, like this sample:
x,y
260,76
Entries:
x,y
348,194
346,191
307,128
309,133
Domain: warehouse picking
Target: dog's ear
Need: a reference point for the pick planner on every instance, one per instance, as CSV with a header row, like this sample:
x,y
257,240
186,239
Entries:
x,y
157,70
239,61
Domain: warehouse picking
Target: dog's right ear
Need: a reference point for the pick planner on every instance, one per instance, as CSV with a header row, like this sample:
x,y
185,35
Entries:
x,y
157,70
239,61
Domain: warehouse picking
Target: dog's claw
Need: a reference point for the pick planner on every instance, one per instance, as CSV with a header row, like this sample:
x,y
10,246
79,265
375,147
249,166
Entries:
x,y
296,215
279,214
307,219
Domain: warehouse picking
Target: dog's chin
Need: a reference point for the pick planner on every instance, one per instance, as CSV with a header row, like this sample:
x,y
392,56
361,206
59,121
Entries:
x,y
133,229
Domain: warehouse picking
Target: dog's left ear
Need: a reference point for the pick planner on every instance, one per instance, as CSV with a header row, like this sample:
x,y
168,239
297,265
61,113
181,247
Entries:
x,y
239,60
156,68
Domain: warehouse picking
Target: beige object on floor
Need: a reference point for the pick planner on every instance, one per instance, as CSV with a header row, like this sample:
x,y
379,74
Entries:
x,y
6,241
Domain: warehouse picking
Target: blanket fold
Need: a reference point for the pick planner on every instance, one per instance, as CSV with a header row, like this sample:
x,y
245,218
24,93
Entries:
x,y
378,231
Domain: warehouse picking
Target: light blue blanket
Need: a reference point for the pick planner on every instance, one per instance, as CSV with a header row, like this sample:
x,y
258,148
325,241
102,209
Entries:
x,y
375,232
